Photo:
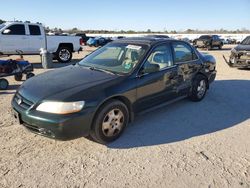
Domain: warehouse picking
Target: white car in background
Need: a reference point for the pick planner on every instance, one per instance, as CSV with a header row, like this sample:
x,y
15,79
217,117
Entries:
x,y
28,38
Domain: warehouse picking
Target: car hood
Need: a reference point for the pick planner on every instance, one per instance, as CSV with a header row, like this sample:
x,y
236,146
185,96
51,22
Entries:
x,y
241,47
61,80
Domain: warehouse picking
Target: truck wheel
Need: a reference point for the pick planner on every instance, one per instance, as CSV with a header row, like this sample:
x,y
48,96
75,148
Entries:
x,y
64,54
209,47
18,77
4,84
110,122
199,88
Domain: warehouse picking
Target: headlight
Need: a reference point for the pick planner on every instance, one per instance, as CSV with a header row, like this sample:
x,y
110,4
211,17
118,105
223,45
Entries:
x,y
60,107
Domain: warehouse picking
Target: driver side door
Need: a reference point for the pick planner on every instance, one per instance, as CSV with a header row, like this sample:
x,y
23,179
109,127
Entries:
x,y
14,39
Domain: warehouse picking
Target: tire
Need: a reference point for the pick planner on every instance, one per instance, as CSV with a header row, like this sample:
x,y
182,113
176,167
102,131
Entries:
x,y
18,77
29,75
64,54
110,121
199,88
209,47
220,47
4,84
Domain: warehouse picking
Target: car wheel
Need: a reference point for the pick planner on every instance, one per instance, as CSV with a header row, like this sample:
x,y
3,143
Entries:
x,y
220,47
110,122
18,77
209,47
199,88
4,84
64,54
29,75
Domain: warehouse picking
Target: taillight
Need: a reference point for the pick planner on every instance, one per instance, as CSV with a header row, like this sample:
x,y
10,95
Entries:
x,y
81,42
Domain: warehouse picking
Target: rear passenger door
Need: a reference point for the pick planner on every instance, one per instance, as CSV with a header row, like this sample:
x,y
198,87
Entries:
x,y
187,63
157,87
36,39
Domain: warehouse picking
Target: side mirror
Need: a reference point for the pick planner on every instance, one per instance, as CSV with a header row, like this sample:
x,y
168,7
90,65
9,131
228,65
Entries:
x,y
6,31
149,68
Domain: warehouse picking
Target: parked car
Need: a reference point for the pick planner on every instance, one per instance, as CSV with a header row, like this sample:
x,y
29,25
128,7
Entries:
x,y
240,55
186,40
101,94
208,41
158,36
84,37
29,38
98,41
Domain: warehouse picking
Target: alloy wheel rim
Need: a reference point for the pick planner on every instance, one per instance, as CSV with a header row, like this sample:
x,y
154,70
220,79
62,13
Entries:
x,y
201,88
64,54
113,122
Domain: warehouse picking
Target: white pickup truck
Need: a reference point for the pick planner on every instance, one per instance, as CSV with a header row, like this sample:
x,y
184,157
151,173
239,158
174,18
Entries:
x,y
29,38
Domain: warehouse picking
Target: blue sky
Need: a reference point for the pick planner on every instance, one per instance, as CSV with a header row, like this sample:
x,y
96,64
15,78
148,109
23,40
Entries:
x,y
156,15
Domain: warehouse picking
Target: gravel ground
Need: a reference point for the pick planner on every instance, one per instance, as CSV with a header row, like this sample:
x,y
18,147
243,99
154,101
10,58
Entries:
x,y
185,144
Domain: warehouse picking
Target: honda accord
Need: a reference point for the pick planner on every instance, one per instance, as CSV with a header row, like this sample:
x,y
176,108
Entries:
x,y
101,94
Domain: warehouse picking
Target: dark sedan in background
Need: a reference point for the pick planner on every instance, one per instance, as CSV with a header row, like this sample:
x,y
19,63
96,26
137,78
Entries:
x,y
101,94
208,41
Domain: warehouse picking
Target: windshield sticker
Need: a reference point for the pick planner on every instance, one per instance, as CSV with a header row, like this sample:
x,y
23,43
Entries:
x,y
133,47
128,66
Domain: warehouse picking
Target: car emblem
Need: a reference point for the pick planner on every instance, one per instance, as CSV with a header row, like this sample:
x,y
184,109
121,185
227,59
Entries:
x,y
19,101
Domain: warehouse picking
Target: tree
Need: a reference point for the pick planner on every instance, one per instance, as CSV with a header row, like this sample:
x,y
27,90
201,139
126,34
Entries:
x,y
2,21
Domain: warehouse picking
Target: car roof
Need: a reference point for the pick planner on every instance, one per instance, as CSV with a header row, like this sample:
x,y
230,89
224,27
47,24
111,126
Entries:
x,y
144,40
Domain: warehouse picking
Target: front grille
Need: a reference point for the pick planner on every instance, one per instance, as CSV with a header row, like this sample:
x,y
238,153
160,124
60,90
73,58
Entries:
x,y
22,102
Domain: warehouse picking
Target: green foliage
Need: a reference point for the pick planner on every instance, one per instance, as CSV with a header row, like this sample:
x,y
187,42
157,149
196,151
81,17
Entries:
x,y
2,21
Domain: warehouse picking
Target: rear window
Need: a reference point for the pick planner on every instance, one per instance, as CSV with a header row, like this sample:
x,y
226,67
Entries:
x,y
205,37
246,41
34,30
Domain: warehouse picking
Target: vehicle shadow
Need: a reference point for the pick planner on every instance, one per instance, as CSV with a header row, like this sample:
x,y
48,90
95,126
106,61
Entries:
x,y
226,105
10,90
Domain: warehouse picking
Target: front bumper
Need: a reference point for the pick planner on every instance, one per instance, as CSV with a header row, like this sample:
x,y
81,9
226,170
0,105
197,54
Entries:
x,y
240,63
62,127
212,76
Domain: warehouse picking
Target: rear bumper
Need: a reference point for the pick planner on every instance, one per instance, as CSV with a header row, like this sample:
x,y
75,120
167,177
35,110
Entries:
x,y
62,127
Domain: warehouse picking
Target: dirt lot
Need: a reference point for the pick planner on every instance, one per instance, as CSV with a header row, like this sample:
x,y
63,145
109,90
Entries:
x,y
185,144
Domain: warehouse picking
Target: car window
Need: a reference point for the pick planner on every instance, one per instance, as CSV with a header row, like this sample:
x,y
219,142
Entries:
x,y
161,56
215,37
183,52
34,30
246,41
17,29
205,37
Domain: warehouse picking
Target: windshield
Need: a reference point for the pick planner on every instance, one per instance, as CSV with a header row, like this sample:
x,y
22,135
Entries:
x,y
246,41
2,25
118,58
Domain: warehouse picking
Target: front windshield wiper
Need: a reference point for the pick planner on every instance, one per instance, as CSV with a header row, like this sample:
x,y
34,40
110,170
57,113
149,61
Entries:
x,y
101,70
